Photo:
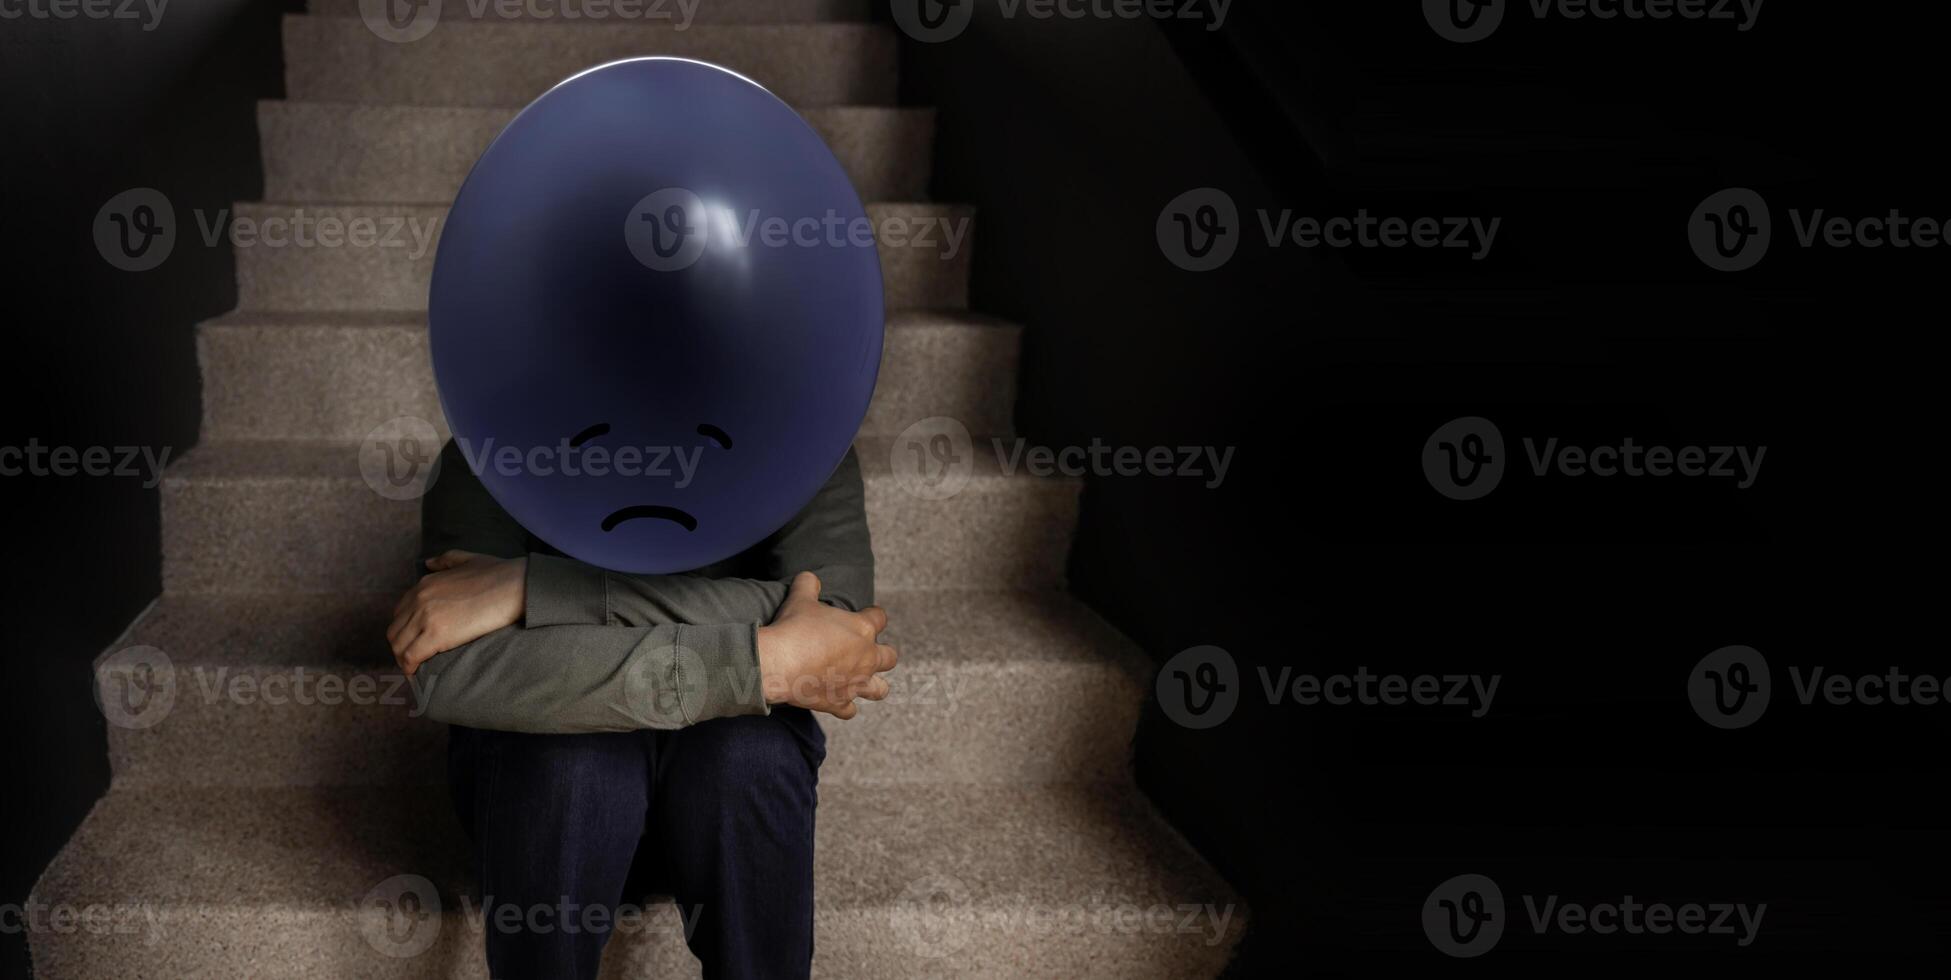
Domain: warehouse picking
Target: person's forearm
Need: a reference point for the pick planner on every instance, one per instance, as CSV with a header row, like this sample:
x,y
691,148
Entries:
x,y
561,646
564,591
566,679
828,538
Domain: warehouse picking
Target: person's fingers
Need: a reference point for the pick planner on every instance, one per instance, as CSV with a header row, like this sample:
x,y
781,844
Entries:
x,y
409,628
402,611
875,617
400,617
886,657
876,688
448,559
805,587
399,656
424,646
846,711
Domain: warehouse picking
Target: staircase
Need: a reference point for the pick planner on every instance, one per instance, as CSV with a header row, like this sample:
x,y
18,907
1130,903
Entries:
x,y
269,819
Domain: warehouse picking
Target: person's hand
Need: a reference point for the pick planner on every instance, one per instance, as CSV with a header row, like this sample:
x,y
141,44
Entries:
x,y
819,657
467,597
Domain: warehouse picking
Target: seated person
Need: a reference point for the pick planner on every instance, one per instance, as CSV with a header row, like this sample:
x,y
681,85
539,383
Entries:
x,y
598,715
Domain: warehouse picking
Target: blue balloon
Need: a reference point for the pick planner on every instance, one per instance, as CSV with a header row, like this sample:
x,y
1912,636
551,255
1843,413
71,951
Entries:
x,y
656,315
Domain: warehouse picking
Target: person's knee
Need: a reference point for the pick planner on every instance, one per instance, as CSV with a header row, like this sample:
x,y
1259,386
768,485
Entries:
x,y
758,755
586,773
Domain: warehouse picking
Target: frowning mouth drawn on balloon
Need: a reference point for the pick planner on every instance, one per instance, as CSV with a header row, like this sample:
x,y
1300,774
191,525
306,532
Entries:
x,y
635,511
676,516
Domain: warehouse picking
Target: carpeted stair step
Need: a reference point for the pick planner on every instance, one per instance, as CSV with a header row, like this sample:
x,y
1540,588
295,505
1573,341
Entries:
x,y
914,881
337,375
675,11
508,63
300,517
343,152
276,690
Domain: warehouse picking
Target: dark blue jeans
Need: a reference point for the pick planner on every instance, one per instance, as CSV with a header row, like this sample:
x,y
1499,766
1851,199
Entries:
x,y
719,815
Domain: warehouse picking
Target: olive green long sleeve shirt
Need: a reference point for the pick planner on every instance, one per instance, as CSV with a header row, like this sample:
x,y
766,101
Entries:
x,y
607,651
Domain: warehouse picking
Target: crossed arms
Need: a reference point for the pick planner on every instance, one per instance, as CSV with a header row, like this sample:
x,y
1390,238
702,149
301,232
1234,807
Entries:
x,y
503,636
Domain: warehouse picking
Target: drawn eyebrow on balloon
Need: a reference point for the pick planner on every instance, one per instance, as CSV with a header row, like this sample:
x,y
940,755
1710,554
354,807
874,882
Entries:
x,y
599,429
714,432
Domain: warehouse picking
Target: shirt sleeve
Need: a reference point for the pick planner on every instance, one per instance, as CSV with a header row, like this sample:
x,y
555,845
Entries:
x,y
570,679
829,538
608,651
564,591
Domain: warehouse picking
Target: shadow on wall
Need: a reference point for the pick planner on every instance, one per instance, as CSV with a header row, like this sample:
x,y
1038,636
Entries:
x,y
1325,550
1071,137
103,356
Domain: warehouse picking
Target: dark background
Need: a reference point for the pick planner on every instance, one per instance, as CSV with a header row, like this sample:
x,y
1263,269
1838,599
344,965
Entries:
x,y
1592,321
1325,549
97,356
